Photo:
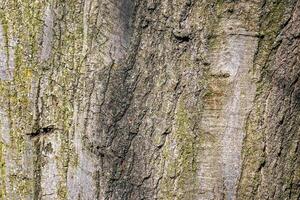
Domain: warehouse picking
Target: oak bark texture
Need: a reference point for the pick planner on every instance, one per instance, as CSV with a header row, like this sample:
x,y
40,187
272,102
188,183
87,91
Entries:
x,y
154,99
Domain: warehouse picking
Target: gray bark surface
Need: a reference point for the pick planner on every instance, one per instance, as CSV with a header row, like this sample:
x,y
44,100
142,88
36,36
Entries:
x,y
157,99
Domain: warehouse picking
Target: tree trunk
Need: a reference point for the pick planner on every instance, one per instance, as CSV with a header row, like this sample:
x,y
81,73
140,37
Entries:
x,y
157,99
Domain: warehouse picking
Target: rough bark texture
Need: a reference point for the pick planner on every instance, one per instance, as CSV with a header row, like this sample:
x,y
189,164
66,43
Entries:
x,y
156,99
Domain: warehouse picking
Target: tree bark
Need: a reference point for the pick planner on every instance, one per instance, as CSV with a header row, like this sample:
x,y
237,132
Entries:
x,y
157,99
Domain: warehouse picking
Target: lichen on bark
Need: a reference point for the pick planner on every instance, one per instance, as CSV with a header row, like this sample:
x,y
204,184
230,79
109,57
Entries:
x,y
149,99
